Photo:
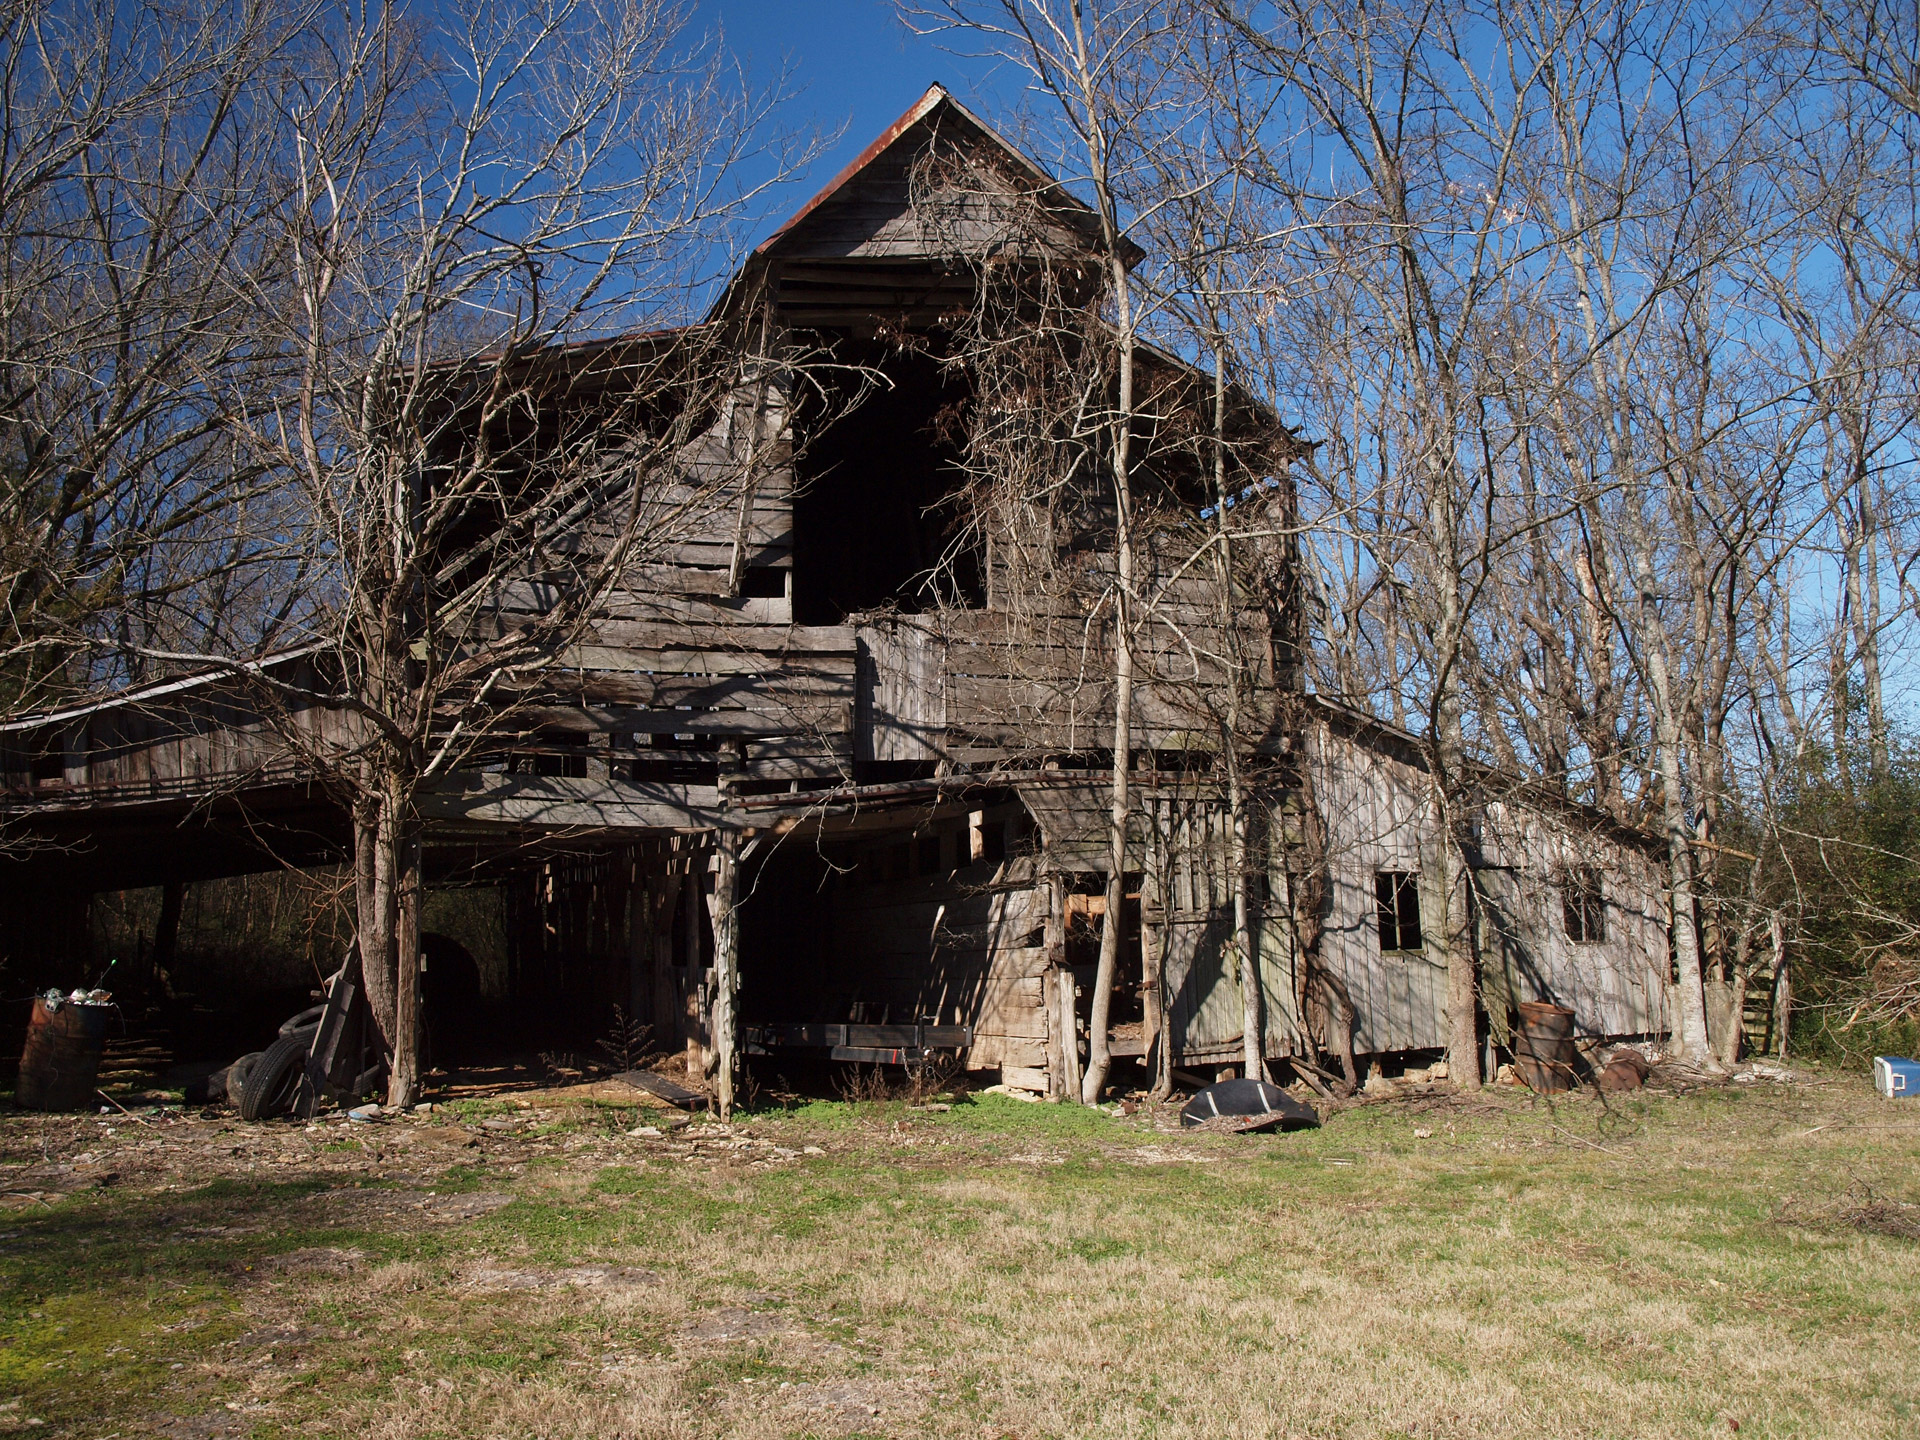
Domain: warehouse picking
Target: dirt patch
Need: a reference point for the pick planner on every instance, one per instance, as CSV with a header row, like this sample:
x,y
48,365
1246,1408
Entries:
x,y
315,1260
214,1425
837,1407
735,1322
450,1209
281,1337
351,1206
607,1278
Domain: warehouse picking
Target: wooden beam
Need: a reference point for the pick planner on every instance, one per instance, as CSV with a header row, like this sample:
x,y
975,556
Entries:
x,y
560,802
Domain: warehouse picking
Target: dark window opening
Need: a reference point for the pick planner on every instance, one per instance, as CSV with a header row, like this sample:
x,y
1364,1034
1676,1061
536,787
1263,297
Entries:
x,y
930,855
1396,895
1584,908
679,742
560,755
875,518
990,842
1084,911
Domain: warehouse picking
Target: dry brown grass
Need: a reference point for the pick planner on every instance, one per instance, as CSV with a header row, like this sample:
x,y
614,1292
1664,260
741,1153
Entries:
x,y
1666,1266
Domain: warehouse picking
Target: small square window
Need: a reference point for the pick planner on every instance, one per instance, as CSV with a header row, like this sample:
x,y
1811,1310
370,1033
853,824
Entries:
x,y
1396,895
1584,908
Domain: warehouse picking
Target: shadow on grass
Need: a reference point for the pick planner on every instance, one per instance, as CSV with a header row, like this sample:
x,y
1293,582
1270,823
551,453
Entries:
x,y
210,1235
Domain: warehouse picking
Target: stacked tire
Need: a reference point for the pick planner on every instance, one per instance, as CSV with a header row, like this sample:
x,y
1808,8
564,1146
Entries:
x,y
276,1082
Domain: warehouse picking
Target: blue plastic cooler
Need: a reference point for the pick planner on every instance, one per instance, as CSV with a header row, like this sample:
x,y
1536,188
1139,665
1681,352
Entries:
x,y
1895,1078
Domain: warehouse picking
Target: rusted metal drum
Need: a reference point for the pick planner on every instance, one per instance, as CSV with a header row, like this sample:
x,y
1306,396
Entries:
x,y
1543,1050
61,1062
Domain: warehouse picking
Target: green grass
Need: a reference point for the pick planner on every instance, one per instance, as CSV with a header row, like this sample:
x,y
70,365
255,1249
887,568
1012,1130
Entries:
x,y
1658,1266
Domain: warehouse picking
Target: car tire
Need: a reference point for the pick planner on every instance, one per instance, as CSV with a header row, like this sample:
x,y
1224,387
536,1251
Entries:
x,y
306,1020
275,1083
235,1080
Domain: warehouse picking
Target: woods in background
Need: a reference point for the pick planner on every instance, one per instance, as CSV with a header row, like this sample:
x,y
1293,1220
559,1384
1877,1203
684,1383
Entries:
x,y
1601,322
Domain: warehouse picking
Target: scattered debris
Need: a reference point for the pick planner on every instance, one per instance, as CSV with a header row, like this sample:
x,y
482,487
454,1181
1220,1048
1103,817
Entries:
x,y
662,1088
1894,1077
1860,1209
1012,1093
1626,1069
1254,1103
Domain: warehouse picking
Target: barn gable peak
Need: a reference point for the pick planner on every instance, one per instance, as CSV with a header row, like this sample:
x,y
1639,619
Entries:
x,y
936,185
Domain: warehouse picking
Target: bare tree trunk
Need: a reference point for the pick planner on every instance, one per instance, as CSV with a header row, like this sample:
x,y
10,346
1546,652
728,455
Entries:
x,y
1782,984
1099,1059
1690,1028
166,934
1245,941
376,907
1450,767
403,1080
1863,576
1463,980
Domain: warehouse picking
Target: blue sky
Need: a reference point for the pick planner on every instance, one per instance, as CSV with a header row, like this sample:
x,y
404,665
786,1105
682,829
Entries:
x,y
854,65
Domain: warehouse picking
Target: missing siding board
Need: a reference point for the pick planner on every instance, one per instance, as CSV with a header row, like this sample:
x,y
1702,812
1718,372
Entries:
x,y
1396,896
1584,909
764,582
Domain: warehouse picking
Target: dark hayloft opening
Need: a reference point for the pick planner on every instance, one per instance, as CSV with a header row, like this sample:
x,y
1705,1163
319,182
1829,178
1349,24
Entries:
x,y
874,513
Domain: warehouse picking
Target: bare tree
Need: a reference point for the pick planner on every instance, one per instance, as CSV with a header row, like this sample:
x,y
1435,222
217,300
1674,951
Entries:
x,y
466,198
138,191
1087,61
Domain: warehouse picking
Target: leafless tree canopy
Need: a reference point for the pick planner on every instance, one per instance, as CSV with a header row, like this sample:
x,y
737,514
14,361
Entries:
x,y
1601,323
322,329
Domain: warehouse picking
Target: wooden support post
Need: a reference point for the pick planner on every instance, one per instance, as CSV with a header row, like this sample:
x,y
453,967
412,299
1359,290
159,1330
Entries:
x,y
1053,888
1069,1035
725,1026
666,1020
1056,1044
639,921
692,923
1154,1030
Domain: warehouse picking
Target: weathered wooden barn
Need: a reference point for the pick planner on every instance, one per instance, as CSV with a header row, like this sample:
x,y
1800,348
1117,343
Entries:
x,y
910,752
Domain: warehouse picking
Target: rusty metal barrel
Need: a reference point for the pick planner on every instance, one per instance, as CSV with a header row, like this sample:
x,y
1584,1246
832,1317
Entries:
x,y
1543,1050
61,1061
